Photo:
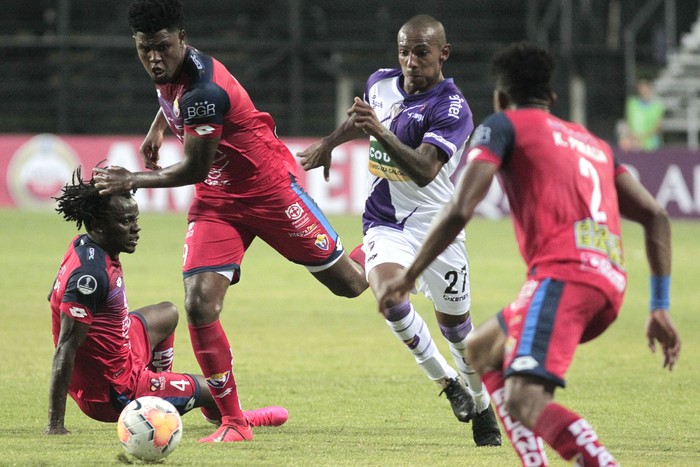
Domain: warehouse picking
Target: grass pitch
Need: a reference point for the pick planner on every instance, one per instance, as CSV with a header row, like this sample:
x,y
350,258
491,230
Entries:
x,y
355,396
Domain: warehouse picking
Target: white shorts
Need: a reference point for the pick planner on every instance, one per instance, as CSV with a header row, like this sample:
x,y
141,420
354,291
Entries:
x,y
445,282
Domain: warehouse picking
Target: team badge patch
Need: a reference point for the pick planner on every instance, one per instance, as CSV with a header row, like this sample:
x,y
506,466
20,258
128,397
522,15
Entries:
x,y
218,380
322,241
87,284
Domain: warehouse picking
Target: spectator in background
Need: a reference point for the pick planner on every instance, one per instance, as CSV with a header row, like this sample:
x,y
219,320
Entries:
x,y
644,114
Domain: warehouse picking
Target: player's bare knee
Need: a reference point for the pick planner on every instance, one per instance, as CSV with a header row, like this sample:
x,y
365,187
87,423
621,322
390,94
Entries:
x,y
170,313
200,308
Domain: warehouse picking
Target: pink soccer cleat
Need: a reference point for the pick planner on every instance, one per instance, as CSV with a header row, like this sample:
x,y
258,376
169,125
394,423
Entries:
x,y
229,432
267,416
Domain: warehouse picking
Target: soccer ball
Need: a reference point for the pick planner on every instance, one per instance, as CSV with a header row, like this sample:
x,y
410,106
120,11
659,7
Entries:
x,y
149,428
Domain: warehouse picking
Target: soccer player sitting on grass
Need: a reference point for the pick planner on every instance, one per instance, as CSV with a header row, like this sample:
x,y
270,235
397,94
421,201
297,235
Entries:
x,y
566,192
105,355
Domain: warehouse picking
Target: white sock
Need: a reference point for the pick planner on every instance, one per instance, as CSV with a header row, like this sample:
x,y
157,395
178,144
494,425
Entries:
x,y
470,377
413,332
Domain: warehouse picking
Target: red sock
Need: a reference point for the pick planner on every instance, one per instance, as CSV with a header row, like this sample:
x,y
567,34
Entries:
x,y
213,353
358,256
527,445
572,437
163,354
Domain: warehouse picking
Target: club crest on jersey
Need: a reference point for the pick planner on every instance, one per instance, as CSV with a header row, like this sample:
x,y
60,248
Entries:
x,y
322,241
176,107
218,380
86,284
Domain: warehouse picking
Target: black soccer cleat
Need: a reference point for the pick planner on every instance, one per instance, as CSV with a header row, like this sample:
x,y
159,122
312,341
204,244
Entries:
x,y
485,428
461,401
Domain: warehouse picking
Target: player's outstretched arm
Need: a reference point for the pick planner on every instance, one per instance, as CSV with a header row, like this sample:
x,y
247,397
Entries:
x,y
319,153
70,338
637,204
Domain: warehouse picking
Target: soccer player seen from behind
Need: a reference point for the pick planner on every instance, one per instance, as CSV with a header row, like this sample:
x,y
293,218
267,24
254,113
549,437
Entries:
x,y
245,187
566,192
107,356
418,124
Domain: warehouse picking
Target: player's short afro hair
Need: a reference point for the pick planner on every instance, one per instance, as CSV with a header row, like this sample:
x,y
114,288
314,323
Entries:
x,y
524,71
150,16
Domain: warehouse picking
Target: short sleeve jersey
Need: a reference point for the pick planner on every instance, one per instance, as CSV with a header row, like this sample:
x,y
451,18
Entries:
x,y
440,117
560,183
206,102
89,288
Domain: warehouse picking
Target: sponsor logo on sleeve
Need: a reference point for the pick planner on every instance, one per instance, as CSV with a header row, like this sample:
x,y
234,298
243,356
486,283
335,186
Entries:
x,y
78,312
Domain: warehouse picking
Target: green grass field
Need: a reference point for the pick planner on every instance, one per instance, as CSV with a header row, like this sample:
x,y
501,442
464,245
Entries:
x,y
354,394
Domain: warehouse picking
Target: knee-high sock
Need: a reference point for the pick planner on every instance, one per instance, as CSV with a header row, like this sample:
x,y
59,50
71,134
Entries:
x,y
528,446
163,355
572,437
410,328
213,353
457,338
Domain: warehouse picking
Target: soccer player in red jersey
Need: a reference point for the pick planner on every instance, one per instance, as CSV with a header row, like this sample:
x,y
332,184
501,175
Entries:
x,y
566,193
105,355
245,187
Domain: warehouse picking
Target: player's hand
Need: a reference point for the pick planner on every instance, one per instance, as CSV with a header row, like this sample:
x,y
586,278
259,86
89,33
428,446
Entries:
x,y
660,328
364,118
56,430
149,149
316,155
112,179
394,291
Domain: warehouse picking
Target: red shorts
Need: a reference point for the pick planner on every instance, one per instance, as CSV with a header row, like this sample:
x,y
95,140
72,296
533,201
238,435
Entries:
x,y
181,390
547,321
221,230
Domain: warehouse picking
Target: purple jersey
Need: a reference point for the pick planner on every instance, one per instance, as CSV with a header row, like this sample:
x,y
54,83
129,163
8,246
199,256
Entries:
x,y
440,117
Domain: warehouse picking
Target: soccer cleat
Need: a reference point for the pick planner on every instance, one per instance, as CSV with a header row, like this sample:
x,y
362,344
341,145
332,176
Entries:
x,y
267,416
485,428
461,401
229,432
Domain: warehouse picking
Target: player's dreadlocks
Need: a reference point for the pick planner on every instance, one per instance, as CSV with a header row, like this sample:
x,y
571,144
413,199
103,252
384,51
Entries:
x,y
524,72
82,203
150,16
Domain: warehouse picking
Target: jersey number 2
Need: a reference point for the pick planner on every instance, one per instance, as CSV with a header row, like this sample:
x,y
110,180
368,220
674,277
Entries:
x,y
588,170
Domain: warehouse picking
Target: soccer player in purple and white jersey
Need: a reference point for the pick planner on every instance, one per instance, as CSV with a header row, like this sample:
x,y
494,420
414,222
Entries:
x,y
418,124
567,194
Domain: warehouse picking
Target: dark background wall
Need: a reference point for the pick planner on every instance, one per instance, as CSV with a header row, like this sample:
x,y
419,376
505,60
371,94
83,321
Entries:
x,y
69,66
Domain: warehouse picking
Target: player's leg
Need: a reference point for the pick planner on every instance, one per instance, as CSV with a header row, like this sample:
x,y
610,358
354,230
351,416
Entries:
x,y
213,253
161,319
446,283
388,251
484,350
292,223
552,323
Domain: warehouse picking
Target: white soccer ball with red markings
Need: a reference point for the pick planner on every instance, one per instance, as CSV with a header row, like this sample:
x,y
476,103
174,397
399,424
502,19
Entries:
x,y
149,428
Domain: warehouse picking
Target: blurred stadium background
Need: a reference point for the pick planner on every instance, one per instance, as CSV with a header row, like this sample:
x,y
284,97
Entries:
x,y
70,69
70,65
